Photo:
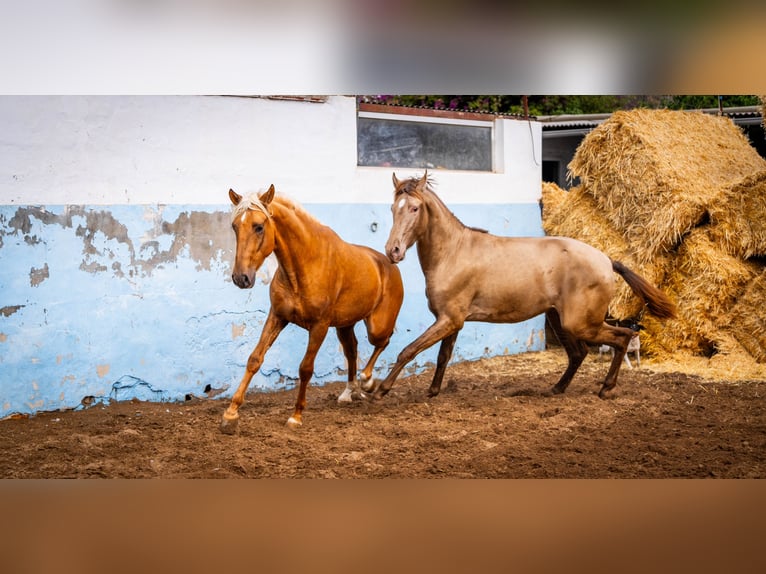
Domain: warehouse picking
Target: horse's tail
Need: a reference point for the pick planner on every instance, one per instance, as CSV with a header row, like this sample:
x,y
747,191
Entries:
x,y
658,303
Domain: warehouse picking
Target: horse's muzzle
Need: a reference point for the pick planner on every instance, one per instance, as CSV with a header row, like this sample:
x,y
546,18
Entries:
x,y
242,280
395,254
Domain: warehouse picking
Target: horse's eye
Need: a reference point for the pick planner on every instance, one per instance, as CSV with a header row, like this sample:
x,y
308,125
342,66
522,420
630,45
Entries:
x,y
414,209
258,228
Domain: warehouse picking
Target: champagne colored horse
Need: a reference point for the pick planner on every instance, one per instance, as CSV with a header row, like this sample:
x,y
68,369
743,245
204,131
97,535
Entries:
x,y
321,282
472,275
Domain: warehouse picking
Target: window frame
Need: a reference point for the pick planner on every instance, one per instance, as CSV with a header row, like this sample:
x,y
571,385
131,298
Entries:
x,y
443,117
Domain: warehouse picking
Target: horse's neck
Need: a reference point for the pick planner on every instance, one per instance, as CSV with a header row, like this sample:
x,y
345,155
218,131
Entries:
x,y
296,242
442,236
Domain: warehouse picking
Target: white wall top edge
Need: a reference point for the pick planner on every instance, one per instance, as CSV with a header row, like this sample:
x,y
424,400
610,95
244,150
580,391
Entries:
x,y
112,150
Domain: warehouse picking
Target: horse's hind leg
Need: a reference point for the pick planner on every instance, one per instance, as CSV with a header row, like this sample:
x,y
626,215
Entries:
x,y
380,326
445,353
618,338
576,351
348,341
368,382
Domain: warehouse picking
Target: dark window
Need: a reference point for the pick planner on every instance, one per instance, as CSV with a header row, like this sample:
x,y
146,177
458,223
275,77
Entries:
x,y
399,143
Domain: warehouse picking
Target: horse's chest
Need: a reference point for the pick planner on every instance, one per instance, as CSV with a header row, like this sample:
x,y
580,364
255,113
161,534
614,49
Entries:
x,y
293,311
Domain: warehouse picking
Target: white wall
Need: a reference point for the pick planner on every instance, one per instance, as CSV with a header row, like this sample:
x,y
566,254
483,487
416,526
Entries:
x,y
163,149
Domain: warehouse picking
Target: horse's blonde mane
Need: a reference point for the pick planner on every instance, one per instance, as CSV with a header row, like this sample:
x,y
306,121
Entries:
x,y
251,201
247,203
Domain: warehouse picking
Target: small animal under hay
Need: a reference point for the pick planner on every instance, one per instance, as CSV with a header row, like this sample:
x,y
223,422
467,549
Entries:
x,y
633,347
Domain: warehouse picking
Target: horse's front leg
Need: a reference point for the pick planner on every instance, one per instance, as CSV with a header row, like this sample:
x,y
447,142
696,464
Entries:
x,y
443,327
445,353
317,333
271,330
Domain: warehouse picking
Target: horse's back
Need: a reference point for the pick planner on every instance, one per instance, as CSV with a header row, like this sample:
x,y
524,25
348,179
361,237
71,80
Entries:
x,y
567,248
541,255
510,279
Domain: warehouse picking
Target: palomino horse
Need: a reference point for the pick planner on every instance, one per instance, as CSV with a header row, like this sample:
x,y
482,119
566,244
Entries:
x,y
321,282
472,275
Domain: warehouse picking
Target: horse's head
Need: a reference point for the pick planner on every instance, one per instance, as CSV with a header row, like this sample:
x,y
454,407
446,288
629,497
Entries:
x,y
409,216
254,229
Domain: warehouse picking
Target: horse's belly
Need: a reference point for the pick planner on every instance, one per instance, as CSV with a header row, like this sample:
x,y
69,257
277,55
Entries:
x,y
505,307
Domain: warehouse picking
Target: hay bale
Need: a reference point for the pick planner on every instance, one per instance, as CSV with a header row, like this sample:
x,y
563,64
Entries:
x,y
551,200
575,214
746,321
654,172
705,282
738,217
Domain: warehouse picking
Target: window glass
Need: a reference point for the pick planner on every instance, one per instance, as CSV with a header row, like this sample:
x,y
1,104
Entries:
x,y
399,143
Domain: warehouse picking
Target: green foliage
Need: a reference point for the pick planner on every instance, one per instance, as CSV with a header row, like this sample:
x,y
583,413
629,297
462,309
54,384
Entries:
x,y
562,104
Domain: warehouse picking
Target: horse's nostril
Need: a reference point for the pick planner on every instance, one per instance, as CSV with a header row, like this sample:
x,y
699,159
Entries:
x,y
241,280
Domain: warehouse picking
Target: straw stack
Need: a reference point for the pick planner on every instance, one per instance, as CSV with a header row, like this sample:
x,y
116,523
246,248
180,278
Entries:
x,y
705,282
732,223
747,322
679,197
653,172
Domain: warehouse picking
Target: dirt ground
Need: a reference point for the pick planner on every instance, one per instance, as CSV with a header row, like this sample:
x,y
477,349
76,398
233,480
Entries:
x,y
491,420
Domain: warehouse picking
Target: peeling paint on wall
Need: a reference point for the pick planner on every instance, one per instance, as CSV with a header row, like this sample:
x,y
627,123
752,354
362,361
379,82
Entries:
x,y
201,236
37,276
9,310
237,330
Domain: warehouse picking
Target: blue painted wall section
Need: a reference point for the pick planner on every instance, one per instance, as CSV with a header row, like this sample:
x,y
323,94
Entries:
x,y
101,303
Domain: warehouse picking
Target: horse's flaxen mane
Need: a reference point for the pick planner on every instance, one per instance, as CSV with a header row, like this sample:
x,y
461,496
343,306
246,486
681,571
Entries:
x,y
410,187
251,201
248,202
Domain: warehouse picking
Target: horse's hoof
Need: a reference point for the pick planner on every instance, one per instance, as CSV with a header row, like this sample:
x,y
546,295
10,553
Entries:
x,y
554,390
367,384
606,393
345,397
294,423
229,425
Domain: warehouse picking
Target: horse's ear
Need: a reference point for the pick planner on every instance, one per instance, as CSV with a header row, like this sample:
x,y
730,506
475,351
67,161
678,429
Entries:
x,y
268,195
423,180
395,180
235,197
